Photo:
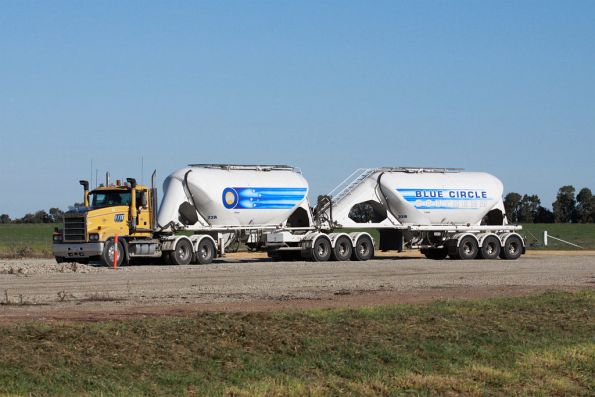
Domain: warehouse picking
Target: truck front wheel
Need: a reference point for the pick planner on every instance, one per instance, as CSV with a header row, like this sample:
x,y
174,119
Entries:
x,y
107,257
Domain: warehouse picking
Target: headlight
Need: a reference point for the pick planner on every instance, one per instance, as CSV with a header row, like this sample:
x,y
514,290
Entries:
x,y
94,236
57,237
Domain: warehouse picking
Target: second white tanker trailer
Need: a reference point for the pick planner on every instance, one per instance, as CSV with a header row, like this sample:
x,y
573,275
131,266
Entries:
x,y
442,211
208,207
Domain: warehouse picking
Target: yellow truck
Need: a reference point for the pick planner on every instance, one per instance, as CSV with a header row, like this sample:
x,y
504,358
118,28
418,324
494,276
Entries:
x,y
126,210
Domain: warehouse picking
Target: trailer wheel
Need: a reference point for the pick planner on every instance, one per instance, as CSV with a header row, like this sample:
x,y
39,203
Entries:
x,y
490,249
321,250
468,248
343,249
205,252
513,248
364,249
182,253
107,256
59,259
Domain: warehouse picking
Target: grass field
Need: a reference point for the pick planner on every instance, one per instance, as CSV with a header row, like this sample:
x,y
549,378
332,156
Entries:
x,y
26,240
581,234
539,345
35,240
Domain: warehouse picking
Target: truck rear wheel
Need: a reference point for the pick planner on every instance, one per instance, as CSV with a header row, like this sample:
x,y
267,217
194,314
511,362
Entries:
x,y
182,254
205,252
364,249
490,248
321,249
468,248
513,248
343,249
107,257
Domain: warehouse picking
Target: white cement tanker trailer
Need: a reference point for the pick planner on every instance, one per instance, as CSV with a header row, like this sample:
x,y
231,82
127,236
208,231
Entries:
x,y
441,211
262,206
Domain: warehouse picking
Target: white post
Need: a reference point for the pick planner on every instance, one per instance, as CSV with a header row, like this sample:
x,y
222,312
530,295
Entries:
x,y
545,238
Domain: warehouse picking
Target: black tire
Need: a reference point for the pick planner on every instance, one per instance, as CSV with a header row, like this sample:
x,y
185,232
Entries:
x,y
205,252
343,249
363,250
490,248
59,259
321,250
513,248
182,254
468,248
435,253
107,256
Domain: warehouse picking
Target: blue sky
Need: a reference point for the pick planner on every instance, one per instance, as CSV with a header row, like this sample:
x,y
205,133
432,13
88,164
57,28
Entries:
x,y
328,86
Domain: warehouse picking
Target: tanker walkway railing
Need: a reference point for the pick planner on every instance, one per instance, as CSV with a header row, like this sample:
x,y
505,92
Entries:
x,y
345,187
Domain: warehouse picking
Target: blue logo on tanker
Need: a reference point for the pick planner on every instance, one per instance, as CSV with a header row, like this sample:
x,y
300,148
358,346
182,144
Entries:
x,y
267,198
445,199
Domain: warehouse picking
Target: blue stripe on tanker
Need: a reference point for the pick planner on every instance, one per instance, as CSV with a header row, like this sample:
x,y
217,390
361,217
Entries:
x,y
262,197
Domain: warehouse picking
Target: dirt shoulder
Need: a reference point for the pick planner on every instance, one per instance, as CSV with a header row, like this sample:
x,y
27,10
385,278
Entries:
x,y
43,290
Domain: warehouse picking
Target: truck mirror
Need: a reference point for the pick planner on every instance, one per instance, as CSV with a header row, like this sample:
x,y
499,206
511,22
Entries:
x,y
143,199
188,214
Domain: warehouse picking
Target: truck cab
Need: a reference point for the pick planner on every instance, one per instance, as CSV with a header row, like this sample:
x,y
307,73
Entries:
x,y
122,211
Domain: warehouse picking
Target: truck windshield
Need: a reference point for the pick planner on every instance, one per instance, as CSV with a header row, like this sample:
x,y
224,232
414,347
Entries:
x,y
109,198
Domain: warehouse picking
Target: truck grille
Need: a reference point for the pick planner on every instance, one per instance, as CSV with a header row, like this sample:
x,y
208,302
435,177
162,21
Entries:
x,y
74,228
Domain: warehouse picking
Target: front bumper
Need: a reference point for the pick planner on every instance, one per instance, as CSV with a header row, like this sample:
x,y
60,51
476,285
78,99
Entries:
x,y
77,250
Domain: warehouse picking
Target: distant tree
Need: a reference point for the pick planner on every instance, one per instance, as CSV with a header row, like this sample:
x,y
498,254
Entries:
x,y
28,218
528,207
512,206
584,206
56,215
4,218
76,206
42,217
544,216
564,206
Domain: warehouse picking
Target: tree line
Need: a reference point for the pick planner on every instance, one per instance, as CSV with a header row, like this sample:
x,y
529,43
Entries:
x,y
53,215
567,208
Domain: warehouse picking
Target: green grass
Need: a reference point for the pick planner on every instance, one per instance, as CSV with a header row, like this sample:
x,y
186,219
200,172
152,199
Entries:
x,y
18,240
581,234
539,345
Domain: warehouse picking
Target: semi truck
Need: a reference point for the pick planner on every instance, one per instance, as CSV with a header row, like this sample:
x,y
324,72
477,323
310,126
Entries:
x,y
207,208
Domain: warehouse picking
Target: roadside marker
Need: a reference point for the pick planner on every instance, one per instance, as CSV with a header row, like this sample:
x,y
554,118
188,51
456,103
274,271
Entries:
x,y
115,252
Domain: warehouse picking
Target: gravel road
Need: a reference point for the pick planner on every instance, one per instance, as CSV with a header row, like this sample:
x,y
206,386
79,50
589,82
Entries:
x,y
42,289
